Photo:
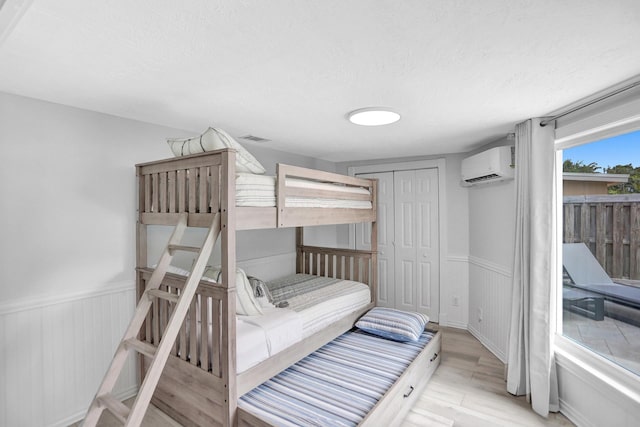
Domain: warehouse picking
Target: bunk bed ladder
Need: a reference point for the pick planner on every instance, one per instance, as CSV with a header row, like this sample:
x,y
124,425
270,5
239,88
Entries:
x,y
159,355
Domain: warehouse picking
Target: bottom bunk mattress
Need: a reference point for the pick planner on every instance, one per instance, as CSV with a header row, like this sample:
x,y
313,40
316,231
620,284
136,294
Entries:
x,y
313,303
340,383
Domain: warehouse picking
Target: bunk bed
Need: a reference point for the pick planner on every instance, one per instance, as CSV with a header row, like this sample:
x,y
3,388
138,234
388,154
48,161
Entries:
x,y
201,383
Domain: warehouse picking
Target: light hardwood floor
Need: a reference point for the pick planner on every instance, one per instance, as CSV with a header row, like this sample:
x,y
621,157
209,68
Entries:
x,y
468,389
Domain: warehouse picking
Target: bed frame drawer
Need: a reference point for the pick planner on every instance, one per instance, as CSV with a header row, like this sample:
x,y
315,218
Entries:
x,y
401,397
398,400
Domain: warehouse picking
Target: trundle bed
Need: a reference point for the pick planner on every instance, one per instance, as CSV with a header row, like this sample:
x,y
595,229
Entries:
x,y
206,375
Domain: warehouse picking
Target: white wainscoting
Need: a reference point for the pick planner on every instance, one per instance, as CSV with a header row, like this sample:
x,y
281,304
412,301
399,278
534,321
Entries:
x,y
490,305
454,293
55,351
593,391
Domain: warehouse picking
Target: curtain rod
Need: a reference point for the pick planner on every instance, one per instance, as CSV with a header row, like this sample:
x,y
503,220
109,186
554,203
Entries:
x,y
593,101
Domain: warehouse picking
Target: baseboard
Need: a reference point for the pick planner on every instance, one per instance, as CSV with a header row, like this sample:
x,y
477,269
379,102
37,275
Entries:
x,y
574,415
489,345
454,324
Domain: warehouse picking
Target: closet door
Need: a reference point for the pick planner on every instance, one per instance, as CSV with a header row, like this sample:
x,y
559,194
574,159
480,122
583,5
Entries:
x,y
386,258
408,240
416,241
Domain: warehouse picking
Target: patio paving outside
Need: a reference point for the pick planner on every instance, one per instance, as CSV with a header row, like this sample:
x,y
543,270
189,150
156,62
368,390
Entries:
x,y
616,340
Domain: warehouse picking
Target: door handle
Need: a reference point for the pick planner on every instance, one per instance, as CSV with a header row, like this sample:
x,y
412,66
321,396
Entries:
x,y
407,394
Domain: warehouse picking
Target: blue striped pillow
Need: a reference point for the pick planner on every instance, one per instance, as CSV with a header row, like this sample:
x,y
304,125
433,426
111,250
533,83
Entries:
x,y
393,324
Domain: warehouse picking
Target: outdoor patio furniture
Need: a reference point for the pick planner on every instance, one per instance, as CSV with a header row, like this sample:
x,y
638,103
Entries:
x,y
583,302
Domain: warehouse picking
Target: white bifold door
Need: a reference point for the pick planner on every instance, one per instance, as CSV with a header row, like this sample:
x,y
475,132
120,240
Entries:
x,y
408,240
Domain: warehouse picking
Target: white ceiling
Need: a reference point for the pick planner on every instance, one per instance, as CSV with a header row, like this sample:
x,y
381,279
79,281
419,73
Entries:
x,y
461,72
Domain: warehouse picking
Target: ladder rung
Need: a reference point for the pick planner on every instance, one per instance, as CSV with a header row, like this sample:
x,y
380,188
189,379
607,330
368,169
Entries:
x,y
117,408
157,293
141,347
173,248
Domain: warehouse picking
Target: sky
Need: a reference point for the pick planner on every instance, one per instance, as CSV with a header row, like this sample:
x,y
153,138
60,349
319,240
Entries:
x,y
619,150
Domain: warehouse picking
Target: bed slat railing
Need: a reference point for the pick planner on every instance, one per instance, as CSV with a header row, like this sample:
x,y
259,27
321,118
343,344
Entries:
x,y
297,216
199,340
336,263
186,184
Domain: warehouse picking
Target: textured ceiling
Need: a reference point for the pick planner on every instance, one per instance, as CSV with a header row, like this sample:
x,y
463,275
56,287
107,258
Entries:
x,y
461,72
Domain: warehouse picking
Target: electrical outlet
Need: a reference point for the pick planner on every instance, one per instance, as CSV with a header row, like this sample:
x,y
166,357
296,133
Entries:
x,y
480,315
456,301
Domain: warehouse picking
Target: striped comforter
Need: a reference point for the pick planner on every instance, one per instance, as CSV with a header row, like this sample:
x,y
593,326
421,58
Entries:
x,y
319,300
337,385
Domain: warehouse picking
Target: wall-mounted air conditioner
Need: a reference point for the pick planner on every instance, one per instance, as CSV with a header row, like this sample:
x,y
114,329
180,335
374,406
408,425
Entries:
x,y
495,164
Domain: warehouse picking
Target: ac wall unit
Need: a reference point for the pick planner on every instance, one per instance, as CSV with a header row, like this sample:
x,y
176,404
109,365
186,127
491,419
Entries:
x,y
492,165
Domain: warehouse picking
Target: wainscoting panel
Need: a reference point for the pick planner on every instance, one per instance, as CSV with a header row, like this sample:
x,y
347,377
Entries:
x,y
454,293
54,353
490,305
594,392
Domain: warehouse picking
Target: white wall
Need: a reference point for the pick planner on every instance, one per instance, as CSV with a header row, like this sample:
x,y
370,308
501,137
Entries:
x,y
68,251
454,289
454,274
491,240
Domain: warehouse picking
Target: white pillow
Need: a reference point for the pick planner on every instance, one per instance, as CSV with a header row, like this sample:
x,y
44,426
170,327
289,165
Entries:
x,y
246,304
216,139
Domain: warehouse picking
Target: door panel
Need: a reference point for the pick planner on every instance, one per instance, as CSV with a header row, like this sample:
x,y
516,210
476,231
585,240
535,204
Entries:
x,y
405,202
405,286
427,248
386,255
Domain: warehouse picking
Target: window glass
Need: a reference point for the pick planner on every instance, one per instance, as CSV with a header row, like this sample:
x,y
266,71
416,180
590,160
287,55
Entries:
x,y
601,248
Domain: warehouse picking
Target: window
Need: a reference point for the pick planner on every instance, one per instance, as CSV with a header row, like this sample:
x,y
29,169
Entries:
x,y
601,248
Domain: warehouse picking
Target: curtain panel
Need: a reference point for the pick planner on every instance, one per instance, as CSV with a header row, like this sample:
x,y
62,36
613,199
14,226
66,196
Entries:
x,y
531,364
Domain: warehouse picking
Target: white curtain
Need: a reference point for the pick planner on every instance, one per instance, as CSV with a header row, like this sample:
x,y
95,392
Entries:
x,y
531,364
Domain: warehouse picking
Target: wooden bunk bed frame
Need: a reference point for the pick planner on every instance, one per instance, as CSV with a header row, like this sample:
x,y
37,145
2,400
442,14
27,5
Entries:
x,y
199,385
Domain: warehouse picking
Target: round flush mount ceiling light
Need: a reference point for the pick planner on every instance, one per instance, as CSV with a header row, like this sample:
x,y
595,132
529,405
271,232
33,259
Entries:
x,y
373,116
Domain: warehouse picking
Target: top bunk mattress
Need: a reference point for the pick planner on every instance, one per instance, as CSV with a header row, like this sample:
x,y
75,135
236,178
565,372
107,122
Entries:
x,y
197,185
260,191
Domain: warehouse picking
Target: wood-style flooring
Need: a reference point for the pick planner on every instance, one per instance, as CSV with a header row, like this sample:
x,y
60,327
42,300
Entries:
x,y
467,389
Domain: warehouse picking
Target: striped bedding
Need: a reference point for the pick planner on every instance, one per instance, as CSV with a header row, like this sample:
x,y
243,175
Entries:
x,y
319,301
337,385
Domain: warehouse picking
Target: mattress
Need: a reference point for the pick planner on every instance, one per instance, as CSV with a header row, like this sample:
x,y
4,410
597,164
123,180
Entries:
x,y
337,385
319,300
260,191
313,303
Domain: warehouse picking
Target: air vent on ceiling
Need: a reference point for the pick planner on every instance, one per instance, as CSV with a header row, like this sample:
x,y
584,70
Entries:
x,y
254,138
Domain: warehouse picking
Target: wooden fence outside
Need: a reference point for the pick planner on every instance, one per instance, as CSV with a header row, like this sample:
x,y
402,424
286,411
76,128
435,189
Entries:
x,y
610,227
